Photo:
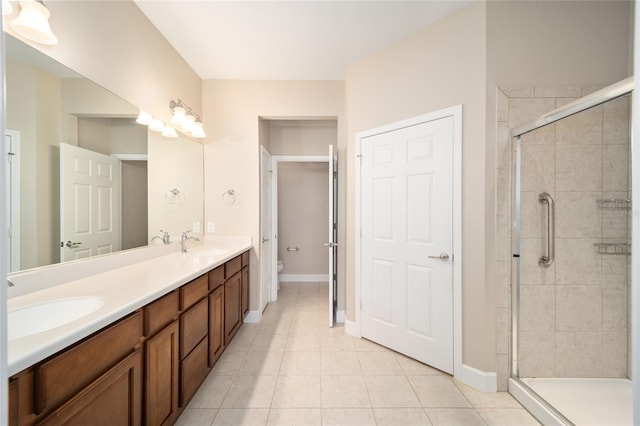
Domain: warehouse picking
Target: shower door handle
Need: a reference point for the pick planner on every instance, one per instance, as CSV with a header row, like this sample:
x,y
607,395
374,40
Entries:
x,y
547,260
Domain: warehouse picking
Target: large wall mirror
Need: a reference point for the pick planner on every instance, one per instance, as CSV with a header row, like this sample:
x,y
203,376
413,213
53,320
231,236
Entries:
x,y
64,130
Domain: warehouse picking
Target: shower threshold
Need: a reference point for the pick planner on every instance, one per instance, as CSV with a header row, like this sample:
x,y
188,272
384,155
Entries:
x,y
588,401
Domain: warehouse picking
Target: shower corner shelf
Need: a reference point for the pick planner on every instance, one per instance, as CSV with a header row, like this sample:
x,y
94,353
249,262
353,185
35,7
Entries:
x,y
613,248
614,204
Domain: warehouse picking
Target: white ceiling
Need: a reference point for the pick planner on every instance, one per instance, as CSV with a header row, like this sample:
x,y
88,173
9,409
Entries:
x,y
286,40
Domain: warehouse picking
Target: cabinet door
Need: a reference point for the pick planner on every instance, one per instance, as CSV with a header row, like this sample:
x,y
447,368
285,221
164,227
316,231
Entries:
x,y
161,383
13,402
113,399
216,325
245,291
193,370
232,306
194,325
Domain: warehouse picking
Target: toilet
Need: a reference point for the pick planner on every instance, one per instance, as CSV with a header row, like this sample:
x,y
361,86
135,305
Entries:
x,y
280,268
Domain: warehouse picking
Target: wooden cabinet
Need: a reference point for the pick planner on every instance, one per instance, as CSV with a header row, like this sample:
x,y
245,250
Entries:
x,y
142,369
161,360
64,375
13,402
245,291
216,324
161,377
232,306
194,345
113,399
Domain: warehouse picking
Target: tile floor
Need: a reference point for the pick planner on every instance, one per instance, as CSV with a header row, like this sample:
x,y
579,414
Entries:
x,y
291,369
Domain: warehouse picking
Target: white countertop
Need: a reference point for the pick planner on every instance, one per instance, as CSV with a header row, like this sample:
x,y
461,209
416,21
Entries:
x,y
123,290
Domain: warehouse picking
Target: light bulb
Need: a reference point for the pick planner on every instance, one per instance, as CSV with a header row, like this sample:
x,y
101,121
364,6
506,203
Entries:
x,y
33,23
144,118
189,123
169,132
7,9
157,125
178,116
198,131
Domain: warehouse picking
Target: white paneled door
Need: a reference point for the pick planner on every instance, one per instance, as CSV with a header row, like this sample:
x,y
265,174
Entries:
x,y
407,240
266,231
90,203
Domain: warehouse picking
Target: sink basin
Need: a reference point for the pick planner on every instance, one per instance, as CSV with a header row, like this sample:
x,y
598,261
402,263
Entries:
x,y
49,315
210,252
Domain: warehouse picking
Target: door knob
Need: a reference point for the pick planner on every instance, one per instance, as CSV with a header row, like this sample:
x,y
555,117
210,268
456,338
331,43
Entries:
x,y
443,256
264,240
72,245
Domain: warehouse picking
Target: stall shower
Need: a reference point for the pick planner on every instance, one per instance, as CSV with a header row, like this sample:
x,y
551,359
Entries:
x,y
569,189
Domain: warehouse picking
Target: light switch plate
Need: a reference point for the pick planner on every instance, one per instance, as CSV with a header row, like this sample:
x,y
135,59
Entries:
x,y
196,227
211,227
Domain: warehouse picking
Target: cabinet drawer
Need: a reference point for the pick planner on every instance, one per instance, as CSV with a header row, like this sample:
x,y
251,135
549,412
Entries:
x,y
114,399
232,266
74,369
245,258
192,292
194,325
160,313
216,278
193,371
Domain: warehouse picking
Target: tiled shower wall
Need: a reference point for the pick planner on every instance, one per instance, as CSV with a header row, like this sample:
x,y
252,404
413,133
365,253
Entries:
x,y
574,314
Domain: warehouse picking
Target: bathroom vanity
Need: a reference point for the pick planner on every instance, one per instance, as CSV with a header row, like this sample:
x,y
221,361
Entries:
x,y
148,362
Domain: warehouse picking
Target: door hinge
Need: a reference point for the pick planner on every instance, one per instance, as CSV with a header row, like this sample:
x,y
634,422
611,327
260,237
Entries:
x,y
10,156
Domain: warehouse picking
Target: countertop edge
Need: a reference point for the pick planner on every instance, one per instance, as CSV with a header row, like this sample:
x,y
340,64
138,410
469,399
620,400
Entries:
x,y
29,354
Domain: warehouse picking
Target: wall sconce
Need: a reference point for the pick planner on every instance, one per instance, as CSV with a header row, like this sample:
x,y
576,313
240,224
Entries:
x,y
33,22
184,117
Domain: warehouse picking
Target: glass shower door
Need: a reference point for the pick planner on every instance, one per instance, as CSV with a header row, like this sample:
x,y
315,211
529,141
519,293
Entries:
x,y
571,245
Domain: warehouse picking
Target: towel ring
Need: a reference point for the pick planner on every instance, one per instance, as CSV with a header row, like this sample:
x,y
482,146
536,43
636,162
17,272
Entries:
x,y
174,196
229,197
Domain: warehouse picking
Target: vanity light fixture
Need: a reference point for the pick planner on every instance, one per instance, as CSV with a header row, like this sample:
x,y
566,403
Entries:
x,y
7,9
33,22
186,119
157,125
169,132
144,118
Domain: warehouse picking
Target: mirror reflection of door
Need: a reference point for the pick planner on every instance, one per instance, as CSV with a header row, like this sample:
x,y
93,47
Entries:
x,y
90,200
12,188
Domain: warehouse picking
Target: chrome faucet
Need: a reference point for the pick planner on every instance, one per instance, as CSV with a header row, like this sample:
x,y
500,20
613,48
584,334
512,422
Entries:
x,y
184,238
165,237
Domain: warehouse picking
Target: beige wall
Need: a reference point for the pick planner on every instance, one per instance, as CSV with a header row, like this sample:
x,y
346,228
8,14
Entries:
x,y
134,204
438,67
232,109
33,109
303,205
115,45
174,163
302,137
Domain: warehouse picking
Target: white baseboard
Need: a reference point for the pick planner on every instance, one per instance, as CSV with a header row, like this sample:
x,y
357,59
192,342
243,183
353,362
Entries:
x,y
340,316
316,278
351,328
253,317
481,380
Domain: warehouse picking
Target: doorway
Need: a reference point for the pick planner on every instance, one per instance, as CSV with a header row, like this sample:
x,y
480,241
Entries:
x,y
304,222
408,253
12,188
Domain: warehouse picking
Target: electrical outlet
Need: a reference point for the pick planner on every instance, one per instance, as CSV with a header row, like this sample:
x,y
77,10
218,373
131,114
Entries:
x,y
211,227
